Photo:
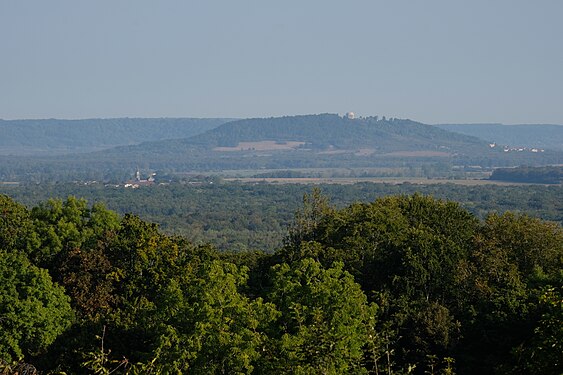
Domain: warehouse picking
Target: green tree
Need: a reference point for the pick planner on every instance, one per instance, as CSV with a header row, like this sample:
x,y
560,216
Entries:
x,y
33,310
325,320
410,249
90,280
315,207
64,226
514,259
217,330
199,323
16,227
543,352
529,243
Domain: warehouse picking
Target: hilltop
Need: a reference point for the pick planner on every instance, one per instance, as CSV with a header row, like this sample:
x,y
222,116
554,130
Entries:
x,y
324,132
331,130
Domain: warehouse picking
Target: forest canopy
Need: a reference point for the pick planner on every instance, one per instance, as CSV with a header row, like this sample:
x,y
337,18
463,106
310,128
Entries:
x,y
403,284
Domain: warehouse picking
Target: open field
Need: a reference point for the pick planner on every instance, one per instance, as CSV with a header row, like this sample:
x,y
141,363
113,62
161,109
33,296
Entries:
x,y
418,153
261,146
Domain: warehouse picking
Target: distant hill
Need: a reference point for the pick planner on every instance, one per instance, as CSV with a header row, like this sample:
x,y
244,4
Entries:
x,y
49,137
321,141
330,131
325,141
531,136
307,141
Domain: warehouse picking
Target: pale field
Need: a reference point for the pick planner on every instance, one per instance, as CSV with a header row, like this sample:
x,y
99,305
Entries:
x,y
292,145
365,152
417,153
261,146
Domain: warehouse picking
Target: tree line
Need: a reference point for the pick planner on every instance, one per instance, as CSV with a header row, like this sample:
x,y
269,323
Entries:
x,y
404,284
542,175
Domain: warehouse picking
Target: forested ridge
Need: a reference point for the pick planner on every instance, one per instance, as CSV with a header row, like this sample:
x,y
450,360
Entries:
x,y
55,136
404,284
323,130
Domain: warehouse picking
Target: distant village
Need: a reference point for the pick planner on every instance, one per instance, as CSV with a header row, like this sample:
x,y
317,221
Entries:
x,y
517,149
137,182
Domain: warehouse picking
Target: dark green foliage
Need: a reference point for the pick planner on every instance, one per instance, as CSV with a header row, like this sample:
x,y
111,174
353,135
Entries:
x,y
406,283
412,237
411,248
448,285
543,352
514,258
538,175
530,244
89,279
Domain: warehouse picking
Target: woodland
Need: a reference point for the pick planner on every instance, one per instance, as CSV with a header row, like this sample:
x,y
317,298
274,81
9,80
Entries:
x,y
543,175
400,284
237,216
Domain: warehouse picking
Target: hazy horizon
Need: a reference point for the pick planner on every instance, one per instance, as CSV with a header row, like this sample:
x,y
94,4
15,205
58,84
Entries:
x,y
436,62
244,118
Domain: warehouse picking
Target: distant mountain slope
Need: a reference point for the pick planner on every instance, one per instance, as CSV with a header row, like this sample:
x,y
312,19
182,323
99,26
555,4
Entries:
x,y
538,136
330,130
30,137
307,141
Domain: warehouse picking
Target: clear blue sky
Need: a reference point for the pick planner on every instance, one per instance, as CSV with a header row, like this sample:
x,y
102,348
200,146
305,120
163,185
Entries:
x,y
432,61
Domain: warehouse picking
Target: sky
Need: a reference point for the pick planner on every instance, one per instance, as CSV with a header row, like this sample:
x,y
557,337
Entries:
x,y
433,61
